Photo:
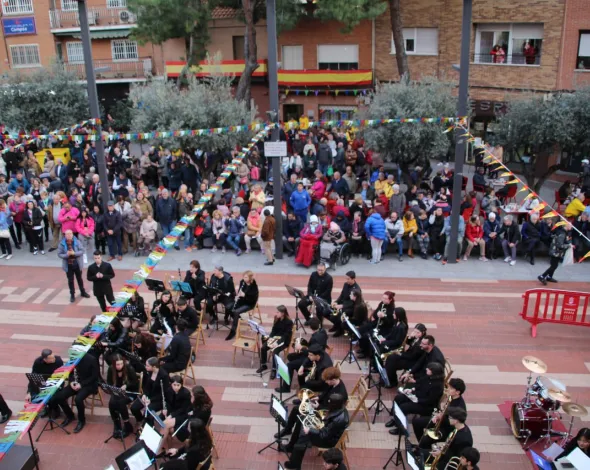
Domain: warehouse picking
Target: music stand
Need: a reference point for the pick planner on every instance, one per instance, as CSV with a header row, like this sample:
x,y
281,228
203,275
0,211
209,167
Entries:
x,y
321,306
350,355
136,457
402,426
383,377
156,286
414,461
38,381
279,412
116,392
182,287
259,331
299,295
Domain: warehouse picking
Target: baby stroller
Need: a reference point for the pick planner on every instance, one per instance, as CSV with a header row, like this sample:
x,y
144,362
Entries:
x,y
146,245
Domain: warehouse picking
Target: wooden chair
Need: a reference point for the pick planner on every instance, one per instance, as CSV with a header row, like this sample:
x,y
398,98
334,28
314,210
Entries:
x,y
245,342
198,334
210,431
255,314
91,400
189,371
356,401
291,347
341,444
448,371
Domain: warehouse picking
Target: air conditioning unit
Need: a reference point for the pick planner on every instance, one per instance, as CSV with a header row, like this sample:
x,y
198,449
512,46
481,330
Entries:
x,y
125,16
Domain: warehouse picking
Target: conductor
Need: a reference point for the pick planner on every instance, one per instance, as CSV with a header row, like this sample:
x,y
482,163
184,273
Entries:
x,y
100,274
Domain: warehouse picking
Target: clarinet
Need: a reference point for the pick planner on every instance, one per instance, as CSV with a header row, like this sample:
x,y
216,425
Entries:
x,y
163,396
237,296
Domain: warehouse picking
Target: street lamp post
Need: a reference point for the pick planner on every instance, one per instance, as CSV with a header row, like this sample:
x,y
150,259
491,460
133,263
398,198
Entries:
x,y
273,85
93,101
460,140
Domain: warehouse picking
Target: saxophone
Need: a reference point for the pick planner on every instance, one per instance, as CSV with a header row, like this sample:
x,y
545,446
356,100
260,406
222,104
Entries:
x,y
440,448
311,373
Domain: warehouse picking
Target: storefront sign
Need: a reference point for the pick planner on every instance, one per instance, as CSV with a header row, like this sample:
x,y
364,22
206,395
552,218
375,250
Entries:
x,y
487,108
19,26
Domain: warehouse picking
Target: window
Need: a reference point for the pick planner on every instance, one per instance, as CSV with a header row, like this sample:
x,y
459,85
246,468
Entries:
x,y
17,7
116,3
75,52
337,113
238,43
419,41
338,57
25,55
69,5
124,50
292,58
583,60
508,43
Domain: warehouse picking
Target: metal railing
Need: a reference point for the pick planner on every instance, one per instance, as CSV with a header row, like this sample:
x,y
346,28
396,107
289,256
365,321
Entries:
x,y
513,59
113,70
96,17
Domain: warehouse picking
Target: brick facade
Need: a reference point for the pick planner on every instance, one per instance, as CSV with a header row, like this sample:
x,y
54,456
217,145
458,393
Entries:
x,y
577,18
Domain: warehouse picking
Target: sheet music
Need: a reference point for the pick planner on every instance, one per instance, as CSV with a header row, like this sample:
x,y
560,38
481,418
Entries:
x,y
553,451
279,408
151,438
578,459
411,461
139,461
399,414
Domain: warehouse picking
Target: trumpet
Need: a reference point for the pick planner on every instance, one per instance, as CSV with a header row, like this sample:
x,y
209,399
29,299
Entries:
x,y
439,448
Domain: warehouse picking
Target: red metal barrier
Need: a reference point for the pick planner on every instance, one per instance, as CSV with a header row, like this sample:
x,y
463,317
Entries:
x,y
555,306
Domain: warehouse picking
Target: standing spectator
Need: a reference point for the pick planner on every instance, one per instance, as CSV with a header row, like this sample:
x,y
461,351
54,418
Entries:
x,y
423,234
85,229
44,203
5,224
375,230
33,225
350,179
560,242
436,231
100,274
253,230
511,239
324,156
531,233
68,216
357,237
144,205
257,197
185,209
70,252
113,224
268,235
100,238
53,211
17,210
147,234
131,219
300,202
19,182
460,237
166,211
340,186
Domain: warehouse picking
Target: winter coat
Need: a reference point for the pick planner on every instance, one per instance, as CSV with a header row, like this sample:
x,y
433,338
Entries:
x,y
87,230
62,252
166,210
410,226
268,229
397,203
511,233
341,187
68,219
300,200
324,155
531,231
235,226
423,225
490,227
473,231
131,221
560,242
394,229
375,227
292,228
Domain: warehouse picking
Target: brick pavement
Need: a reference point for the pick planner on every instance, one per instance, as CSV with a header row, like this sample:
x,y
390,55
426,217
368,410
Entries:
x,y
476,324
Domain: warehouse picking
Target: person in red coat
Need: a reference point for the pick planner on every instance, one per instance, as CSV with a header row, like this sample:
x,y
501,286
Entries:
x,y
474,235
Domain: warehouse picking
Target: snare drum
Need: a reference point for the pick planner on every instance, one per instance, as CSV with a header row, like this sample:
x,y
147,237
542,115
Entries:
x,y
540,389
528,422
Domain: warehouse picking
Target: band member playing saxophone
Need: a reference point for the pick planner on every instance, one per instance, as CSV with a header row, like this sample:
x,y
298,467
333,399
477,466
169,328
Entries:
x,y
381,323
164,315
154,380
458,439
223,292
200,408
423,397
121,375
344,303
397,335
333,426
279,339
246,300
408,357
320,285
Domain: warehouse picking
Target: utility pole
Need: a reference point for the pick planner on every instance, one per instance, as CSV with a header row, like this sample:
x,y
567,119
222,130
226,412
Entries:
x,y
460,140
93,101
273,85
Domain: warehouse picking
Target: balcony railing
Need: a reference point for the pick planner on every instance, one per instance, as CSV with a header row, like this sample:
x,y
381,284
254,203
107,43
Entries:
x,y
113,70
96,17
514,59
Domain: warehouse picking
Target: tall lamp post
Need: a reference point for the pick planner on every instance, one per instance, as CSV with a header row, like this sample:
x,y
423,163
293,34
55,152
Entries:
x,y
93,101
273,85
460,140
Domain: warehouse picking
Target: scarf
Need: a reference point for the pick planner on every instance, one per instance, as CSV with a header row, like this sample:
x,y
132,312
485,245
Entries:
x,y
71,258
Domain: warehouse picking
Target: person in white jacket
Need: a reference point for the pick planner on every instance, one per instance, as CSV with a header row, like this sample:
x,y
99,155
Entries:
x,y
147,233
395,231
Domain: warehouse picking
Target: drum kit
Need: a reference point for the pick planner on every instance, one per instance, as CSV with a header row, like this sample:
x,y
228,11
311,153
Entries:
x,y
533,416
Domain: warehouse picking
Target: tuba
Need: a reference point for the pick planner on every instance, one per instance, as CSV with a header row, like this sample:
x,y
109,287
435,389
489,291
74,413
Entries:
x,y
454,464
441,447
306,395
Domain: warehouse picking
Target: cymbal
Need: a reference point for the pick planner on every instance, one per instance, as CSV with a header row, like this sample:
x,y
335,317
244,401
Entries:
x,y
534,364
559,395
573,409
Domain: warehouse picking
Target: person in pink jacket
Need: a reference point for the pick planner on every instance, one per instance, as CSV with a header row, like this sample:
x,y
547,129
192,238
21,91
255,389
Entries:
x,y
474,235
67,217
318,188
85,230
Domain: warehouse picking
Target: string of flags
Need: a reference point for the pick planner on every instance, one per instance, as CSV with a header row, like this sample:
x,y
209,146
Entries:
x,y
328,92
23,421
489,156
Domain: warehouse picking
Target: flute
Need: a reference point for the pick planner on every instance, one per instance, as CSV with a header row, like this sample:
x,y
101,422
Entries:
x,y
183,424
163,396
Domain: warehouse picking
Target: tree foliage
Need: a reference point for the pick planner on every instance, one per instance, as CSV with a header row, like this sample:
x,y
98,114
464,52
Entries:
x,y
45,100
205,104
410,144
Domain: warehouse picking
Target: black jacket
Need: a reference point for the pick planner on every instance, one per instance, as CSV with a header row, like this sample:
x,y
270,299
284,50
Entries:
x,y
462,440
118,340
152,388
324,396
225,285
284,329
41,367
101,285
250,294
112,221
334,426
179,350
88,372
132,381
166,312
437,226
191,316
395,338
387,322
197,283
320,286
429,391
178,404
33,220
316,383
320,338
419,368
510,232
413,353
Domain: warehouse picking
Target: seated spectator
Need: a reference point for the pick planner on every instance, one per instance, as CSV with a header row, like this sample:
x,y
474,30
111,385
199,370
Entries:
x,y
358,205
357,237
394,229
219,234
147,234
479,181
367,192
531,236
309,239
253,230
340,207
460,237
291,229
490,200
491,229
331,239
422,234
343,222
410,231
381,182
234,227
511,238
582,244
339,185
437,233
576,207
203,229
474,234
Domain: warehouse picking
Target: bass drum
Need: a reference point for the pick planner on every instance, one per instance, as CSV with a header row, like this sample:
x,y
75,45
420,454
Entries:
x,y
528,422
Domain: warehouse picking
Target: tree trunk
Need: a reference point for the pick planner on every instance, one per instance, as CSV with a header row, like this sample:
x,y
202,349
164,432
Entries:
x,y
398,39
243,92
541,181
188,44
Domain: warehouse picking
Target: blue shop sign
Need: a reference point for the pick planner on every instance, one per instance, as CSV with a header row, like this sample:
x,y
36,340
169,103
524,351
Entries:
x,y
19,26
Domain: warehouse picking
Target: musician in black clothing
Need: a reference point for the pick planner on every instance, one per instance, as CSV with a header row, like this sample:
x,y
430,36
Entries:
x,y
246,300
320,285
195,276
144,347
408,357
431,354
581,441
344,303
188,314
331,383
178,399
382,318
83,383
397,334
333,459
135,310
45,364
117,337
427,391
197,453
309,374
470,458
455,390
200,408
335,423
100,274
279,339
222,292
155,384
179,350
121,375
462,437
164,315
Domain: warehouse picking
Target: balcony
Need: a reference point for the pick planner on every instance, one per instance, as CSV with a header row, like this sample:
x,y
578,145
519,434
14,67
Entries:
x,y
98,19
230,68
514,59
325,77
114,71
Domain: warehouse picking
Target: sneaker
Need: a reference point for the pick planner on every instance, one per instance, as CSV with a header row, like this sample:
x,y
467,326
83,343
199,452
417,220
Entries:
x,y
327,264
465,258
248,251
223,250
9,257
401,258
238,252
42,252
542,280
3,255
512,263
35,252
189,249
484,259
214,249
507,259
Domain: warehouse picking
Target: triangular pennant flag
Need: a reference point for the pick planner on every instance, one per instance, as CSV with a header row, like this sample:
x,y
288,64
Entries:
x,y
559,224
524,188
539,207
336,92
286,92
507,173
530,195
584,257
306,92
550,214
512,182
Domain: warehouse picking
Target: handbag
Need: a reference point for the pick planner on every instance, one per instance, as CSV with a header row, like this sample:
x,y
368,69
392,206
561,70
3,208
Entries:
x,y
244,180
330,171
568,258
4,233
199,230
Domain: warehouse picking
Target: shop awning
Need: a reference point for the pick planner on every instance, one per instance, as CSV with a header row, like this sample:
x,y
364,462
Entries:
x,y
225,67
325,77
337,108
105,34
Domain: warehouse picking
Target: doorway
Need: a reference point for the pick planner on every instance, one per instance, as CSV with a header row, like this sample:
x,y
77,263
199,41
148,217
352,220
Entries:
x,y
292,111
